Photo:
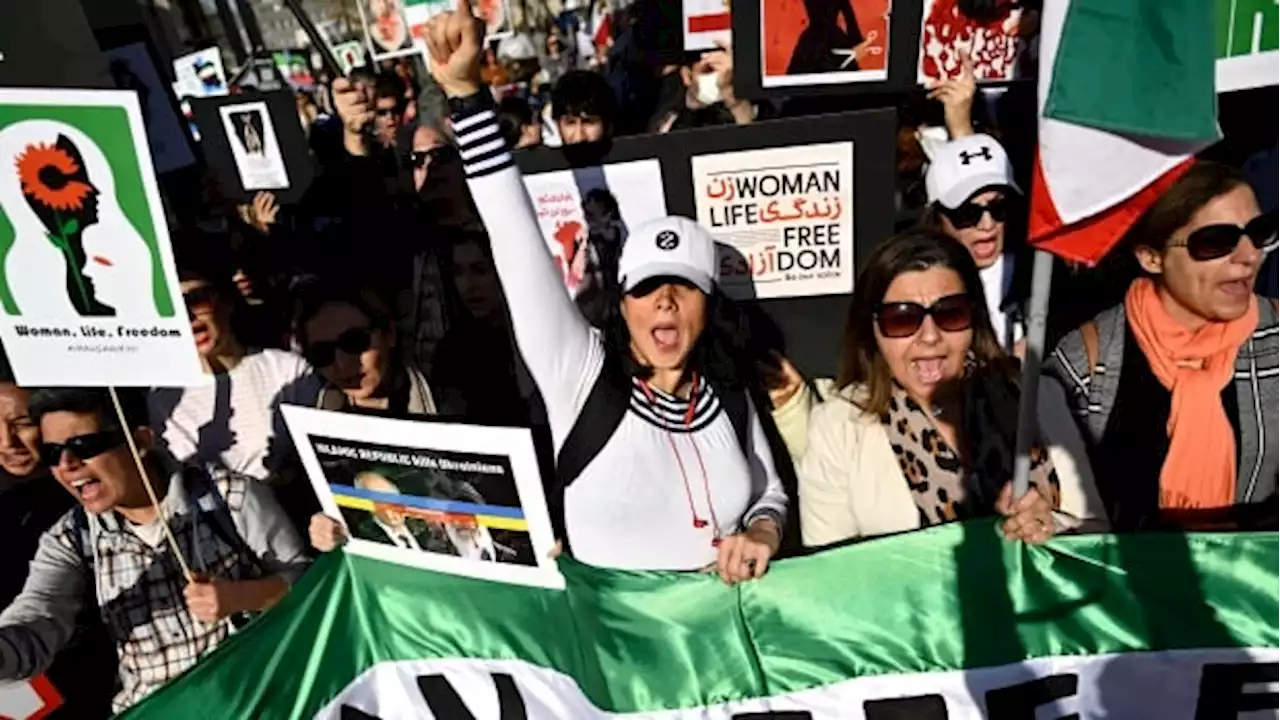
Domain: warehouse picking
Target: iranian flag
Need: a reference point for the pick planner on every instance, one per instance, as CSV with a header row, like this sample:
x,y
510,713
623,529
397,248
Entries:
x,y
1126,98
948,623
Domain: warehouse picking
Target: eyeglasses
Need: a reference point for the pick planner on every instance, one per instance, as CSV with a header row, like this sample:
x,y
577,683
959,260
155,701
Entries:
x,y
952,313
421,158
83,447
970,213
351,342
1215,241
199,300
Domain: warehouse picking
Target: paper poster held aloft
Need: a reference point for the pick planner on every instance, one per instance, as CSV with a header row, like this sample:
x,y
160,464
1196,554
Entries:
x,y
783,218
88,289
460,499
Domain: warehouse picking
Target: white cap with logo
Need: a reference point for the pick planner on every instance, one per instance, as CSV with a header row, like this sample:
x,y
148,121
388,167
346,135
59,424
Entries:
x,y
964,166
671,246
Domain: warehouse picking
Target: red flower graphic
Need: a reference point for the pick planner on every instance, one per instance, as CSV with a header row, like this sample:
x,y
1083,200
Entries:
x,y
37,157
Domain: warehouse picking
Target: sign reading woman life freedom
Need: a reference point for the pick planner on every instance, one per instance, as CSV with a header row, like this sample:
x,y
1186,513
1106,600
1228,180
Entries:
x,y
88,290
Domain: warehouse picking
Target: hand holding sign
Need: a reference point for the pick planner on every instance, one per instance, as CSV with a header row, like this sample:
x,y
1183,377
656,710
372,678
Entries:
x,y
454,40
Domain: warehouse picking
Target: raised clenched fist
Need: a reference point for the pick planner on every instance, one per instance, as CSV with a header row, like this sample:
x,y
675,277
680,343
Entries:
x,y
352,106
454,42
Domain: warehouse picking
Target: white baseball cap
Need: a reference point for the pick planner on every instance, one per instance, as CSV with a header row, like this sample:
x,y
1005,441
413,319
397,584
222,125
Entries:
x,y
963,167
670,246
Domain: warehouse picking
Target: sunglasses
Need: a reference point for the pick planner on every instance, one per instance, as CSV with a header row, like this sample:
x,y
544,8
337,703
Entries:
x,y
351,342
970,213
952,313
199,300
1215,241
83,447
421,158
384,112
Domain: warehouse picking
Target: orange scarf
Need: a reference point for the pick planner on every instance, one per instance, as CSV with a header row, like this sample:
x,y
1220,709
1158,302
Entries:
x,y
1200,469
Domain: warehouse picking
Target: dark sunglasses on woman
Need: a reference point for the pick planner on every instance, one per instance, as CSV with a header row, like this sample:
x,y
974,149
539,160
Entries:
x,y
952,313
1215,241
351,342
84,447
970,213
421,158
199,300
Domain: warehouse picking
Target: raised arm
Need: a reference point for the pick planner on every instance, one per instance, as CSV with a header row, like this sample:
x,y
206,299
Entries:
x,y
40,621
563,353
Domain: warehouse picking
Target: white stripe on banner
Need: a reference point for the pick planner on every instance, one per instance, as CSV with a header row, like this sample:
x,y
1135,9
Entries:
x,y
1170,685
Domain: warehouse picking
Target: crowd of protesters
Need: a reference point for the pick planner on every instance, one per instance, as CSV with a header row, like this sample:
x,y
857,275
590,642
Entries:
x,y
673,432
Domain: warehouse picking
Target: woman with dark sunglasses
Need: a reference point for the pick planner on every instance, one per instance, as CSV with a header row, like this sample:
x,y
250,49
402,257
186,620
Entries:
x,y
348,336
662,462
971,193
921,428
1175,389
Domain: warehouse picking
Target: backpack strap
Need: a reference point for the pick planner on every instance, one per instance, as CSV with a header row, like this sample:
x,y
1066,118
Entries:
x,y
734,402
1089,336
601,414
208,505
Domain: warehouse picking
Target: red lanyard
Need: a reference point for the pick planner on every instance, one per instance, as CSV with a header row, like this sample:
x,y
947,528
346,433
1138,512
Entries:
x,y
698,523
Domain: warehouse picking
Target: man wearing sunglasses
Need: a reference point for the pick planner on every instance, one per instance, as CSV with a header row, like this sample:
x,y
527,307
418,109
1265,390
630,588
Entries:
x,y
234,538
971,191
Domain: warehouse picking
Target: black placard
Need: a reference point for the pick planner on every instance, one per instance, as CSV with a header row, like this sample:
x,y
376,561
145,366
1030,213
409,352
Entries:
x,y
288,130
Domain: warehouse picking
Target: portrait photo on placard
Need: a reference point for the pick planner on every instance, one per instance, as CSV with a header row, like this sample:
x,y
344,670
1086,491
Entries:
x,y
201,74
457,498
386,28
497,18
822,42
88,287
994,42
254,146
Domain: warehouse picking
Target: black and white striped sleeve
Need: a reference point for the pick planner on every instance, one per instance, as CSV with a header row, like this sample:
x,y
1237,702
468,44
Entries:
x,y
484,151
562,353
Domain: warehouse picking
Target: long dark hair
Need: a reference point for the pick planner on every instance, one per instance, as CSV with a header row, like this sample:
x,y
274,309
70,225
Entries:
x,y
721,353
861,363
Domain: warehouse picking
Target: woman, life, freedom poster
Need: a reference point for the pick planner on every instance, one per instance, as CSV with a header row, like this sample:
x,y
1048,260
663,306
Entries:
x,y
454,498
89,295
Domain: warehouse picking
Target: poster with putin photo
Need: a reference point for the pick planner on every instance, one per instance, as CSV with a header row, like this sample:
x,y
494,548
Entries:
x,y
993,40
386,29
824,42
89,295
454,498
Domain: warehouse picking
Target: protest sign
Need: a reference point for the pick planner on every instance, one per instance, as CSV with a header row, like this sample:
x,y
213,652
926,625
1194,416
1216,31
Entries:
x,y
782,218
134,66
294,68
706,22
254,146
1247,37
806,320
350,56
200,74
456,498
88,288
993,46
847,46
497,18
32,699
386,28
949,623
254,142
584,211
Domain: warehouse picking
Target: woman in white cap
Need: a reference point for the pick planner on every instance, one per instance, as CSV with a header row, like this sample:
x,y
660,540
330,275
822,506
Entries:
x,y
662,462
971,193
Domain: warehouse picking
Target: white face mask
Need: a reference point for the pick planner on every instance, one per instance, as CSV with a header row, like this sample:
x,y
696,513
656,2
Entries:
x,y
707,89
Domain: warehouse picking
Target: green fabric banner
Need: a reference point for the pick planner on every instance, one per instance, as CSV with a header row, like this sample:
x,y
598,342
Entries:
x,y
953,598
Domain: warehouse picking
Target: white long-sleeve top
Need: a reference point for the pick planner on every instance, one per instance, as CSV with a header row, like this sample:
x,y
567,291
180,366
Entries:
x,y
631,506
